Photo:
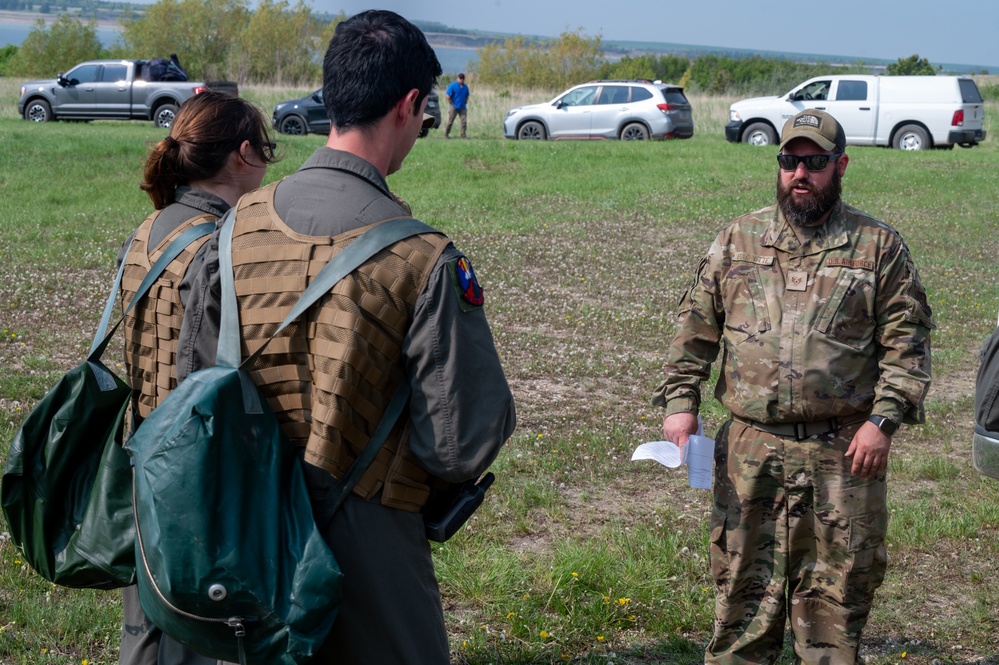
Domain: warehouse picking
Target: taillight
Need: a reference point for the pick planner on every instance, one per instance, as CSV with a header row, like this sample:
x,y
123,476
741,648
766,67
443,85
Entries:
x,y
958,119
665,108
200,89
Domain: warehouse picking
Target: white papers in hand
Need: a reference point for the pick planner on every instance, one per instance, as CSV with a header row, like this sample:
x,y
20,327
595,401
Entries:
x,y
698,455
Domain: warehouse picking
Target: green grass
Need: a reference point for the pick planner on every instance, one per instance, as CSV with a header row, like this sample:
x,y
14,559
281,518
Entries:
x,y
583,250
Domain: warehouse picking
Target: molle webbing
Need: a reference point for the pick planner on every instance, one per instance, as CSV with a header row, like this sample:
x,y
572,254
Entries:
x,y
329,377
153,325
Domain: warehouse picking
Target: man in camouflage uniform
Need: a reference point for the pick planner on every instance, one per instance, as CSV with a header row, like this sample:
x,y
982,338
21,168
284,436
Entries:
x,y
826,336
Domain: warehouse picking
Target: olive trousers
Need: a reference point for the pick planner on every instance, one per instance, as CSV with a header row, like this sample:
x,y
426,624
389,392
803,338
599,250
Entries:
x,y
794,536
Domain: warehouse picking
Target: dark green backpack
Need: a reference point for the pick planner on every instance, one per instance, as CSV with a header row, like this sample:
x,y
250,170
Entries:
x,y
67,483
231,562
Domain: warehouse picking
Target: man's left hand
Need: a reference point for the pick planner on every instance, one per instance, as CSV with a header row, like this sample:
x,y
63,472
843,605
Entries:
x,y
869,451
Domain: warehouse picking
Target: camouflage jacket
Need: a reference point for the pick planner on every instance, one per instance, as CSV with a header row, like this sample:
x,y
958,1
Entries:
x,y
836,326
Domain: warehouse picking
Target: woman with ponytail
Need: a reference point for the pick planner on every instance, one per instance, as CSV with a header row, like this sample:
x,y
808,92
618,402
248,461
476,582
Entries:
x,y
218,149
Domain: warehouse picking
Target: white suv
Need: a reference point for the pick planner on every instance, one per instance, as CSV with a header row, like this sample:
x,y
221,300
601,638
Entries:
x,y
627,110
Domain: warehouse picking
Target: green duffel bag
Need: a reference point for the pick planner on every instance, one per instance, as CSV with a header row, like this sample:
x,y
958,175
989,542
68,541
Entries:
x,y
67,482
230,560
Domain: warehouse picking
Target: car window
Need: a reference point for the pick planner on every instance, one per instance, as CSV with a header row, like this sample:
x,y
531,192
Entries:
x,y
674,96
613,94
580,96
969,92
814,90
851,91
115,73
640,94
84,74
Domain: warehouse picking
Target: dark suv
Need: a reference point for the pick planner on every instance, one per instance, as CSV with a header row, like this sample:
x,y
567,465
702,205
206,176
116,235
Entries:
x,y
308,115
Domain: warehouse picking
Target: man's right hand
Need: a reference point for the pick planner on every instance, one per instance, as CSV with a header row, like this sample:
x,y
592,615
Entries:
x,y
679,426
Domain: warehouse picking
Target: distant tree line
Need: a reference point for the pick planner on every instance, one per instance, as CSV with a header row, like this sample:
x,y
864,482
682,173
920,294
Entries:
x,y
276,43
574,58
282,44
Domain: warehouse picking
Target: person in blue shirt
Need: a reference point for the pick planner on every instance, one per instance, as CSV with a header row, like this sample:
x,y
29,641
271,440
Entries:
x,y
457,99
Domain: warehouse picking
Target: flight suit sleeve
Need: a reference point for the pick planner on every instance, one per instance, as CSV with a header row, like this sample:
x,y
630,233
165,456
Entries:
x,y
902,333
462,408
197,343
699,321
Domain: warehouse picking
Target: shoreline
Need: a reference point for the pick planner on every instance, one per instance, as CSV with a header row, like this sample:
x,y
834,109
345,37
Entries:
x,y
30,18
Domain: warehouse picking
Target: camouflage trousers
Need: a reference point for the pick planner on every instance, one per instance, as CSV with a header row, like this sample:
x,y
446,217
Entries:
x,y
794,536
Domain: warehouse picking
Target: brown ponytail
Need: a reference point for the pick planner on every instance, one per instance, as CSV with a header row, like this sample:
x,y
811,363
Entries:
x,y
208,128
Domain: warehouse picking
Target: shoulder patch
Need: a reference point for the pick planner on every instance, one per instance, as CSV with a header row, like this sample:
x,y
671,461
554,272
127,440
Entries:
x,y
466,285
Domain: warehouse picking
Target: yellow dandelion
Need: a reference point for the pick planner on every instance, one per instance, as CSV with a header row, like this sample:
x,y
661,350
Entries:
x,y
543,634
904,653
600,638
623,601
575,574
84,662
510,615
526,596
464,643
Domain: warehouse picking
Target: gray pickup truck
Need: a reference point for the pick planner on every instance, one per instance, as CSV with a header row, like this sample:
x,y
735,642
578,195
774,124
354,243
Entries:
x,y
111,90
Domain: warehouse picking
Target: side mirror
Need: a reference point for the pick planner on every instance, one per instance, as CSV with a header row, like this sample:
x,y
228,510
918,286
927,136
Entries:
x,y
62,80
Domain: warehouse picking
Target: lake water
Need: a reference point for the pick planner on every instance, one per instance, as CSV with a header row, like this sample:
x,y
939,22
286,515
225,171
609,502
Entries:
x,y
15,33
453,60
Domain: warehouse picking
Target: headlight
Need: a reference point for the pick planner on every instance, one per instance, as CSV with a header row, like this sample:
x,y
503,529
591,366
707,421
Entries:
x,y
24,89
733,115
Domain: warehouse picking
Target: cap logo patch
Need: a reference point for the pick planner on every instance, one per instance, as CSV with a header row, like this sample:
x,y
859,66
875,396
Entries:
x,y
809,120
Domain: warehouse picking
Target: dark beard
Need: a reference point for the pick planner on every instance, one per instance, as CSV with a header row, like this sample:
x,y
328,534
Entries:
x,y
809,210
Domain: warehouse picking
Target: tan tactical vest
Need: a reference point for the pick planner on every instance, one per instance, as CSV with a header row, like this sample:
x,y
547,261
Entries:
x,y
152,327
329,377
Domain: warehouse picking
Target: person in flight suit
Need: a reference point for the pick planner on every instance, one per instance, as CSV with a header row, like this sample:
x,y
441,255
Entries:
x,y
412,313
825,332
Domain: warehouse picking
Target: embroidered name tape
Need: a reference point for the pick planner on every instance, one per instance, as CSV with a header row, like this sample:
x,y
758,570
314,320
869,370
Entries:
x,y
862,264
753,258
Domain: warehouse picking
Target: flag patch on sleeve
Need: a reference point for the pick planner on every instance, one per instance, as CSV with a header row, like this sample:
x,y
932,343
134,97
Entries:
x,y
465,283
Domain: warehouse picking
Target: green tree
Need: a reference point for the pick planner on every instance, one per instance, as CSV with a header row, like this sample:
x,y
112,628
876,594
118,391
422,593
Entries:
x,y
912,66
554,64
203,33
669,68
281,45
48,50
6,54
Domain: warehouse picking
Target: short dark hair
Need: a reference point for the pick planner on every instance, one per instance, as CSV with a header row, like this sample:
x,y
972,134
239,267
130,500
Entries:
x,y
374,59
208,128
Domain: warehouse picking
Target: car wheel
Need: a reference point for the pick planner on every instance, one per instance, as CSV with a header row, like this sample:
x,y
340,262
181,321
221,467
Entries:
x,y
294,125
164,116
636,131
759,133
38,111
532,131
911,137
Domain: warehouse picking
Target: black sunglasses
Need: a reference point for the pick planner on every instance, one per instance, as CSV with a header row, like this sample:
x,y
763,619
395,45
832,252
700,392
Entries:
x,y
811,162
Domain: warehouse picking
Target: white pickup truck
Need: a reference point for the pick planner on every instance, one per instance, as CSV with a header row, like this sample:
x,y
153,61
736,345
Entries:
x,y
111,90
904,112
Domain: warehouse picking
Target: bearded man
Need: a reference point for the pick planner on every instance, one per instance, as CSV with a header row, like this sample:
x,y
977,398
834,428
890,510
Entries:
x,y
825,329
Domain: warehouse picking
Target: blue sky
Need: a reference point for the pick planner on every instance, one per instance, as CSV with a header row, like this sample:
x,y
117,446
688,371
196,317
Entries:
x,y
965,32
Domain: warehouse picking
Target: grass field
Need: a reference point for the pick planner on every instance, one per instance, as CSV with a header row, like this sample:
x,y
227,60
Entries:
x,y
583,249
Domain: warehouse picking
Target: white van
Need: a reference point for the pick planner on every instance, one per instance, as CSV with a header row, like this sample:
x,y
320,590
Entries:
x,y
905,112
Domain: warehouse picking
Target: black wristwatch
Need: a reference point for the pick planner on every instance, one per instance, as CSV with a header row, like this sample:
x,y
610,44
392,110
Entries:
x,y
885,424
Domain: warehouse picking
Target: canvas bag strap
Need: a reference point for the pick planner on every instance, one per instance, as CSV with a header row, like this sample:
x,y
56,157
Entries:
x,y
101,339
349,259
